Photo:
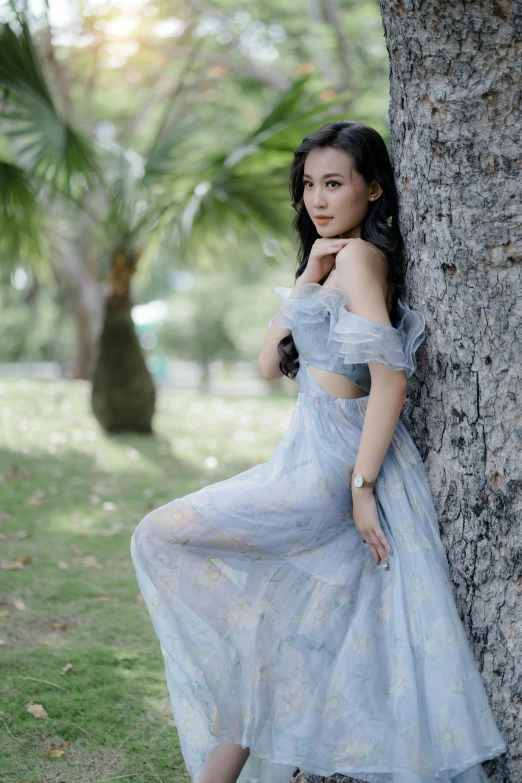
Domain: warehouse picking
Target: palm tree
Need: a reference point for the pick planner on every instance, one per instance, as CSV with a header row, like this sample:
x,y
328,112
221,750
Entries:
x,y
191,201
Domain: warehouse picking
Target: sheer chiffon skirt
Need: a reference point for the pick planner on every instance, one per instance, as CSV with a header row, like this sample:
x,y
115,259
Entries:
x,y
272,613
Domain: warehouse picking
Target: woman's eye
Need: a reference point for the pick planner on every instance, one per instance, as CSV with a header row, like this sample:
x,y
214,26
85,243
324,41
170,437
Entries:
x,y
330,182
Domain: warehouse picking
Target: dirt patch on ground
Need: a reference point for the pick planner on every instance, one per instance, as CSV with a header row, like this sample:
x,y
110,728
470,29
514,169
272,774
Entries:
x,y
80,763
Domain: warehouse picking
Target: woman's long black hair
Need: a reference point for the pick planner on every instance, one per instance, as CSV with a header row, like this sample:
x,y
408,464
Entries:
x,y
370,159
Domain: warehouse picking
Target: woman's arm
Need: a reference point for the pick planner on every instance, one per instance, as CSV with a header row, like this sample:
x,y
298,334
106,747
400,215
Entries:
x,y
361,273
320,262
269,359
384,406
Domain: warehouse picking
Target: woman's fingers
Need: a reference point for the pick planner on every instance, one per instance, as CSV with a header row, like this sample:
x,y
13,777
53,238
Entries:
x,y
379,549
372,543
379,545
375,553
382,538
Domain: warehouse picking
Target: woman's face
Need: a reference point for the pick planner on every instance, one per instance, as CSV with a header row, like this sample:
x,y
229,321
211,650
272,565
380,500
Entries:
x,y
333,188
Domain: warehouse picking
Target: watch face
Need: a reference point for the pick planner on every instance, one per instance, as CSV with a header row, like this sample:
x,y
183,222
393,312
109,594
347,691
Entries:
x,y
358,480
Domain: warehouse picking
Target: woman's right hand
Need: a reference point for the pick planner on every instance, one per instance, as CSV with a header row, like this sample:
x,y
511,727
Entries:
x,y
322,257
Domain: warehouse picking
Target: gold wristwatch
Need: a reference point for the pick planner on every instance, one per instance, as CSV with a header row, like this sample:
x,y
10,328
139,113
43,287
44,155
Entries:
x,y
360,481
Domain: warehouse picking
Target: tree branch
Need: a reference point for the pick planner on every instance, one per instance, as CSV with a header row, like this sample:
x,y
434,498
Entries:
x,y
334,19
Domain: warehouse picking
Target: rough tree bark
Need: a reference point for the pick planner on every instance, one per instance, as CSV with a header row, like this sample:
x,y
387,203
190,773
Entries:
x,y
455,118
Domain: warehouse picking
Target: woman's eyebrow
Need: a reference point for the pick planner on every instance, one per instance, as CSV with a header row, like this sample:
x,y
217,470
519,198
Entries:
x,y
332,174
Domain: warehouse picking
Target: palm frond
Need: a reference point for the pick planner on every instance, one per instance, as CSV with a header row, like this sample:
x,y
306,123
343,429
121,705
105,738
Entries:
x,y
168,152
20,64
292,116
23,234
243,192
49,147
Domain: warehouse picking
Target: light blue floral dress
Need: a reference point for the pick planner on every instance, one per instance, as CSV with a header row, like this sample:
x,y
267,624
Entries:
x,y
272,612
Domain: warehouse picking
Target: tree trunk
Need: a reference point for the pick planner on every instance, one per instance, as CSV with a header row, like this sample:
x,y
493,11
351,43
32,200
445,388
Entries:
x,y
77,278
78,304
455,124
123,391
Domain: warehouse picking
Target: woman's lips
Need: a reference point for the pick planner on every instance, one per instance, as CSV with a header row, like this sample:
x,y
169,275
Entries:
x,y
323,219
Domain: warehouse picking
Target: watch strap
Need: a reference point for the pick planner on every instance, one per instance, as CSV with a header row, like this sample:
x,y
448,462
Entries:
x,y
366,482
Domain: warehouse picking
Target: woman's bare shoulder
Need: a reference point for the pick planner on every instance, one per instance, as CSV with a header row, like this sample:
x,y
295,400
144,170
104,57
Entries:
x,y
363,267
364,252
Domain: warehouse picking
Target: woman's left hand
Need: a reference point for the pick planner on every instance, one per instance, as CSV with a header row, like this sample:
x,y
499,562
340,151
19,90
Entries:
x,y
367,523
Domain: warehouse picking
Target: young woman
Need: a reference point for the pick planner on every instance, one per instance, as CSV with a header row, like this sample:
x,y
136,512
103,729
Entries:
x,y
304,607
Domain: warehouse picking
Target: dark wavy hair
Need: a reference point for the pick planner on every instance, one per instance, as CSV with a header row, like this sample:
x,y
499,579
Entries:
x,y
370,159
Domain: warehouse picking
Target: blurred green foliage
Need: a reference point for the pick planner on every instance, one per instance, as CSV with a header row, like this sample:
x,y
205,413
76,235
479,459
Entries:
x,y
178,91
37,330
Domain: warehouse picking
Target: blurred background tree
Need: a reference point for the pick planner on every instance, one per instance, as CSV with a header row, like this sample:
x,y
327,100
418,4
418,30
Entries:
x,y
111,171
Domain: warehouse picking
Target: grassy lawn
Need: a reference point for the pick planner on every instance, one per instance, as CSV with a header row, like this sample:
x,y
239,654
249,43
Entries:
x,y
75,635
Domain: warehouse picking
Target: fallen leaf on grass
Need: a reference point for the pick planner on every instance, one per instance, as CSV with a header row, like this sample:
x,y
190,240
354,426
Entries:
x,y
18,563
4,614
140,599
35,502
19,605
36,710
90,562
2,642
45,643
66,668
59,626
62,565
55,753
101,598
21,534
77,552
109,506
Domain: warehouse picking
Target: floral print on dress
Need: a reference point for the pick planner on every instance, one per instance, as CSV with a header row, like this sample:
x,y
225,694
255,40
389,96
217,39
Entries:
x,y
271,612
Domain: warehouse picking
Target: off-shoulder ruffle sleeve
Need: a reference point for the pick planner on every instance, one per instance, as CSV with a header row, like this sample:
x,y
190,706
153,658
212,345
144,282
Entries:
x,y
311,304
356,339
284,293
360,340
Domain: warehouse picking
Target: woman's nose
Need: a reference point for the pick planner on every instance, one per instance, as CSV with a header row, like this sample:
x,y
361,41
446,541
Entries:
x,y
318,199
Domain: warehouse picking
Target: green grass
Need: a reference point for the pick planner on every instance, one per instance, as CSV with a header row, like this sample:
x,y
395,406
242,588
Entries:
x,y
71,496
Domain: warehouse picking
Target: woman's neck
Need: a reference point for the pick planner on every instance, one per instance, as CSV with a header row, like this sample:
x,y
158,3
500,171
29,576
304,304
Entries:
x,y
344,235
